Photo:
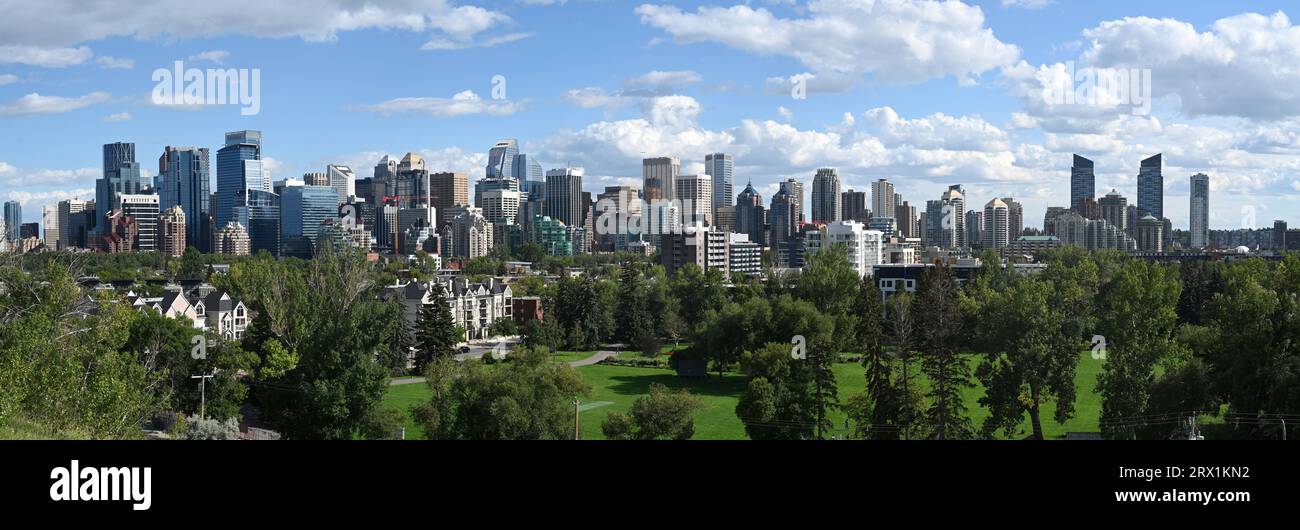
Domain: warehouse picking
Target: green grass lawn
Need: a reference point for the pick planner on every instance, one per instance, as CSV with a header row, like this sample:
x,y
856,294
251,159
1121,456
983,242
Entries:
x,y
619,386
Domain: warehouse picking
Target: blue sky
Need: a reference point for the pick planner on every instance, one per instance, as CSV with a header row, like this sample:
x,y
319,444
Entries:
x,y
925,94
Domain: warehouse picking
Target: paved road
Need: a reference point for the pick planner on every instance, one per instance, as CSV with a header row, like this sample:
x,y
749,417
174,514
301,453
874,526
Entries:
x,y
594,359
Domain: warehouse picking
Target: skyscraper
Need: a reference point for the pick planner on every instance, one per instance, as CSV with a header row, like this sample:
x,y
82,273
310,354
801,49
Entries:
x,y
183,180
564,195
882,198
448,191
1150,234
501,159
121,176
826,196
720,166
302,210
71,232
695,193
13,218
240,178
1199,224
1151,188
50,217
658,176
1083,184
1015,218
795,189
343,180
905,217
750,218
996,225
527,168
783,220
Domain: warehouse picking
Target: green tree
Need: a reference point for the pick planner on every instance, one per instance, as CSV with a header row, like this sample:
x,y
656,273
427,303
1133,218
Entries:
x,y
779,402
400,342
939,316
529,398
435,331
1137,317
662,415
879,411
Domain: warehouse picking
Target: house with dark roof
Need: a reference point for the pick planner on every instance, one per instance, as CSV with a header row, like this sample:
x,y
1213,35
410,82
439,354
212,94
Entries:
x,y
222,314
473,305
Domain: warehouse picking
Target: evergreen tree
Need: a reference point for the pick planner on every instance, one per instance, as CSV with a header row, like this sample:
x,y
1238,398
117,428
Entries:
x,y
435,331
939,316
399,344
880,415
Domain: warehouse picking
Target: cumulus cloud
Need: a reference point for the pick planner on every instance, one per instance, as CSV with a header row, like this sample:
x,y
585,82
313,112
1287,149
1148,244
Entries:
x,y
47,197
118,116
35,103
896,42
463,103
52,57
6,79
114,63
47,177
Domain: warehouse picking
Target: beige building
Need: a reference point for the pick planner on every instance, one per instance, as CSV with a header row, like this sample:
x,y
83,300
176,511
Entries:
x,y
171,231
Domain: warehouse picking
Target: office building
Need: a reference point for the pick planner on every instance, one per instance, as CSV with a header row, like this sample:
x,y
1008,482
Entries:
x,y
302,210
239,177
564,195
1151,188
50,218
795,189
657,178
449,190
121,177
183,180
853,206
694,195
783,225
13,217
526,168
1083,184
343,180
720,166
882,198
501,159
144,210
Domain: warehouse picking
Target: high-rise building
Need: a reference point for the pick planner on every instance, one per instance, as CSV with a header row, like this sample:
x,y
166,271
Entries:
x,y
1150,234
1151,188
564,195
695,195
314,178
121,176
975,228
232,240
703,246
618,212
853,206
783,223
826,196
501,159
720,167
13,218
343,180
302,210
947,220
1049,218
750,218
1083,183
171,231
262,210
69,236
658,176
795,189
527,169
905,215
183,180
50,218
1114,209
144,209
1199,224
120,232
1015,218
467,234
1279,234
882,198
996,225
239,174
449,190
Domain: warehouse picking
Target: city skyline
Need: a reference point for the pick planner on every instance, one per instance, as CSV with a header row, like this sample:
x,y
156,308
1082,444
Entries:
x,y
665,88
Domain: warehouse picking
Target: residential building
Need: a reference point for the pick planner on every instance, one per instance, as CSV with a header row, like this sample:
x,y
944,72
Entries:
x,y
720,166
171,232
882,198
232,240
795,189
50,218
1114,209
1199,210
1151,188
865,247
853,206
1150,234
826,196
1083,184
120,232
744,257
702,245
750,217
1015,218
996,225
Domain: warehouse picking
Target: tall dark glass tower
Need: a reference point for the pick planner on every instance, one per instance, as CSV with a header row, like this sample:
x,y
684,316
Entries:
x,y
1083,183
1151,188
183,181
501,159
239,169
121,177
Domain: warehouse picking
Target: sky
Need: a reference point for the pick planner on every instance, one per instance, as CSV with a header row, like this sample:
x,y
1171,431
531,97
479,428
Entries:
x,y
925,94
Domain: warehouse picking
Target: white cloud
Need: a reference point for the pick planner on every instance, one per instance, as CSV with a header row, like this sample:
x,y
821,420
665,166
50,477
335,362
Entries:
x,y
888,41
661,80
48,177
463,103
53,57
1026,4
785,113
37,104
114,63
26,36
47,197
6,79
118,116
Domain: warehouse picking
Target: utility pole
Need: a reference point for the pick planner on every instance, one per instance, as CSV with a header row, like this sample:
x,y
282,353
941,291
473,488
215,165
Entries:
x,y
203,399
576,433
